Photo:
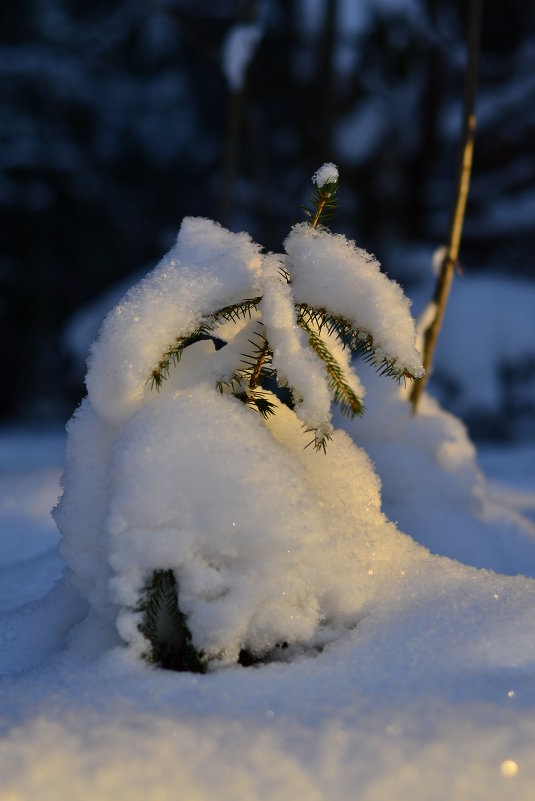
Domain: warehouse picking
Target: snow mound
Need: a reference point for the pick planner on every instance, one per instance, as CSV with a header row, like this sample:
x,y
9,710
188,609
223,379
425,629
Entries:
x,y
270,542
485,358
287,547
432,484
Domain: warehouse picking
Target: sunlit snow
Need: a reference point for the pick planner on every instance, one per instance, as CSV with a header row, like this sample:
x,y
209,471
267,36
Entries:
x,y
411,675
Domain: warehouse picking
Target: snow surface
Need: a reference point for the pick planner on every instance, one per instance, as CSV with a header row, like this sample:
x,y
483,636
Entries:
x,y
431,696
411,674
328,268
485,354
499,539
207,269
210,268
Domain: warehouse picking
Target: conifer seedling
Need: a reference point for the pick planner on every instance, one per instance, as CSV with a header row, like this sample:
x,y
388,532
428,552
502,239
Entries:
x,y
318,334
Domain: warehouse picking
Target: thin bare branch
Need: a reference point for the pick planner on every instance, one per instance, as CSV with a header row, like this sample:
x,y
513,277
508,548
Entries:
x,y
445,278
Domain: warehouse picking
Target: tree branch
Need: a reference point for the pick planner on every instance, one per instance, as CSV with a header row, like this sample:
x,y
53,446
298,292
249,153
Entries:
x,y
445,278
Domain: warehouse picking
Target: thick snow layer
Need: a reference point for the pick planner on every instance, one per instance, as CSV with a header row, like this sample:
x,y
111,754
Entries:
x,y
431,696
329,266
468,374
253,524
409,452
293,360
84,504
409,671
208,268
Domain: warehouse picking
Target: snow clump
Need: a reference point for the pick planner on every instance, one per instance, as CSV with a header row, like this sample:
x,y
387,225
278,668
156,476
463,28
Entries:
x,y
329,266
270,542
327,174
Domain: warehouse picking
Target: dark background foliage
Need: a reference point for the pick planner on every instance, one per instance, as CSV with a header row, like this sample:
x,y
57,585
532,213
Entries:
x,y
117,121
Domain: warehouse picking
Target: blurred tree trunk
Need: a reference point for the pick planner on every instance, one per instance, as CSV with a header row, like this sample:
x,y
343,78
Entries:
x,y
235,120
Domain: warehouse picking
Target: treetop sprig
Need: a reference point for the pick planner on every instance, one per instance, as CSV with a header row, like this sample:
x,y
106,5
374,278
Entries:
x,y
325,183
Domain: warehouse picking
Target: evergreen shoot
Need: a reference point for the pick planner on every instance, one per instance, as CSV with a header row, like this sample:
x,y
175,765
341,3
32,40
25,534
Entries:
x,y
255,368
291,344
323,201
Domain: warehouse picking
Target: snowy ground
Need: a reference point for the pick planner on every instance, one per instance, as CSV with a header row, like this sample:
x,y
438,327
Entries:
x,y
433,697
411,668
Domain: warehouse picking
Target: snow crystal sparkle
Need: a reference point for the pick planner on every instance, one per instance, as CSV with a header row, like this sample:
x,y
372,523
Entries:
x,y
509,768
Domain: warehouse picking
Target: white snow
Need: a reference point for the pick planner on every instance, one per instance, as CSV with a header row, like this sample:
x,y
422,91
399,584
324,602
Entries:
x,y
410,675
190,480
327,173
430,696
403,446
295,363
489,327
208,268
254,547
239,48
328,267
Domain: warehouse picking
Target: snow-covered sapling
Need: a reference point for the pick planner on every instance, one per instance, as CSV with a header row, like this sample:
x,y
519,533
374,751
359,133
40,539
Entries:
x,y
207,518
295,330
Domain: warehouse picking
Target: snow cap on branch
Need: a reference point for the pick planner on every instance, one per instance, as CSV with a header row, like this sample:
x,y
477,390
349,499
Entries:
x,y
296,364
209,267
327,174
328,270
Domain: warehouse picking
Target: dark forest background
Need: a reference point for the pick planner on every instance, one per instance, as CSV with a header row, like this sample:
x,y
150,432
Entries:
x,y
117,120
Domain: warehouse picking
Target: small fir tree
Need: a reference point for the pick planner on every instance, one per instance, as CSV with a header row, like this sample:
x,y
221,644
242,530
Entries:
x,y
317,337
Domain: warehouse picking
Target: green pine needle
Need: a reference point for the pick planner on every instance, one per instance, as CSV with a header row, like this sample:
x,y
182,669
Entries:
x,y
320,439
258,401
358,341
323,204
258,363
350,404
232,313
164,626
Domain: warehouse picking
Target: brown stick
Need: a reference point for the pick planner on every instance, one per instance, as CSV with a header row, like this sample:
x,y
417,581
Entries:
x,y
324,199
253,382
445,278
